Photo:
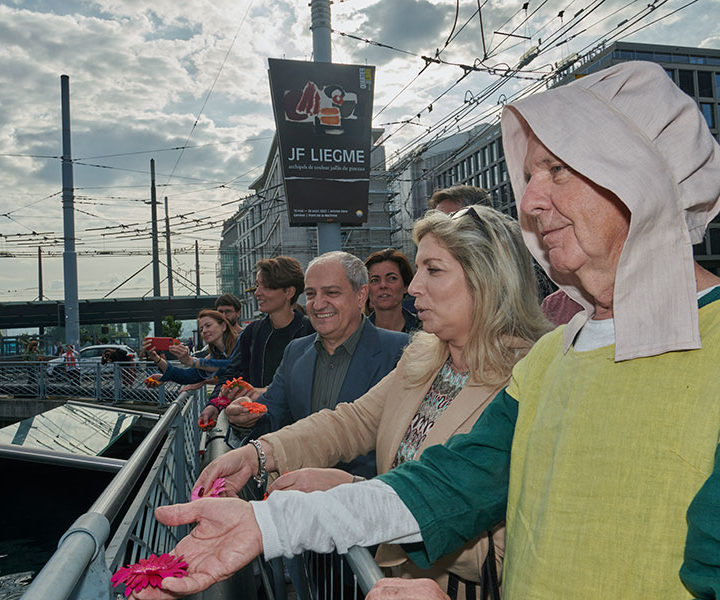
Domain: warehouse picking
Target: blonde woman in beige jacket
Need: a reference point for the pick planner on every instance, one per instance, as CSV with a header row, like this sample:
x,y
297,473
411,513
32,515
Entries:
x,y
476,294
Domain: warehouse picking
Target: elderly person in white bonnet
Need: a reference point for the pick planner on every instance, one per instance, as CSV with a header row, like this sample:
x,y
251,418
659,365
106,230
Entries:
x,y
601,452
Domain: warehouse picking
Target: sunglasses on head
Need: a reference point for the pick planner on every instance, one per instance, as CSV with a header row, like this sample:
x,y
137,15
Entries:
x,y
469,211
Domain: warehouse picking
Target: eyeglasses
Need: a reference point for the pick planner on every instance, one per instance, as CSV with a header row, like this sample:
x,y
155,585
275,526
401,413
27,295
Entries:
x,y
469,211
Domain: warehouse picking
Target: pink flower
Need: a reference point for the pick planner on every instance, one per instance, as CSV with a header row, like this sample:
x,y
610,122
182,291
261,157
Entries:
x,y
149,571
217,487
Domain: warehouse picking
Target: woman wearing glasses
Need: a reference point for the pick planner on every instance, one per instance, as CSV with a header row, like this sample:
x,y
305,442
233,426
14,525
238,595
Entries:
x,y
476,295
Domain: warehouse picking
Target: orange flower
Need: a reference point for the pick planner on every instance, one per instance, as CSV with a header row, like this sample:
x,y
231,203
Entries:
x,y
153,381
255,408
207,425
238,382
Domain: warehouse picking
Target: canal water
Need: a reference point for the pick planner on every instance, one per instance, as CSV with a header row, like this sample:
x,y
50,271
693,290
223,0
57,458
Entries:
x,y
40,502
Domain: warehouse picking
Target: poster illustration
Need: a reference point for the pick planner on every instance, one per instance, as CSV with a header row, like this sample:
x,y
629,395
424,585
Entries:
x,y
323,113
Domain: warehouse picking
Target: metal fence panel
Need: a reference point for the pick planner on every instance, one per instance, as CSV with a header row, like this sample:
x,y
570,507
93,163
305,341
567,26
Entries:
x,y
113,383
139,534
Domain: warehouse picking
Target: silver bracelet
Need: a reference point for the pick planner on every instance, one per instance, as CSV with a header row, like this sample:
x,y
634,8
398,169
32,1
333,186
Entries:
x,y
262,471
358,479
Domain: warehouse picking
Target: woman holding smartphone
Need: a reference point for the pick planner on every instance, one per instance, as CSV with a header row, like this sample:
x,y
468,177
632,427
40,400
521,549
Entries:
x,y
222,342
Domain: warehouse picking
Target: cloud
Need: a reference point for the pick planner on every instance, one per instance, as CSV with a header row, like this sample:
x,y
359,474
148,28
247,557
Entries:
x,y
141,72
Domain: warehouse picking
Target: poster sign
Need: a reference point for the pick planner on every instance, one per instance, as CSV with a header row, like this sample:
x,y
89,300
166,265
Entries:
x,y
323,112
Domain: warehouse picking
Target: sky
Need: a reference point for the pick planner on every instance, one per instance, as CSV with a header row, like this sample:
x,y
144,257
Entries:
x,y
185,83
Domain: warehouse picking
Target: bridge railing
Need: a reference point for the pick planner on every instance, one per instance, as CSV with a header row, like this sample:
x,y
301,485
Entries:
x,y
82,565
113,383
169,460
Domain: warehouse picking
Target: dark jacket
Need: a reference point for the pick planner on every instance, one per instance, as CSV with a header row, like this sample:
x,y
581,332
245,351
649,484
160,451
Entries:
x,y
289,396
249,363
412,323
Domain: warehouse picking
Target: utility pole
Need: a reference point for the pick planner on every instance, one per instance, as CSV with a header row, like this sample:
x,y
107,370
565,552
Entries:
x,y
167,247
41,329
155,252
328,234
197,269
72,310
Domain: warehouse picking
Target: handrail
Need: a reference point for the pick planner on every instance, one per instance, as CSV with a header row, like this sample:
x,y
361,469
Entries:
x,y
364,566
111,500
85,539
65,459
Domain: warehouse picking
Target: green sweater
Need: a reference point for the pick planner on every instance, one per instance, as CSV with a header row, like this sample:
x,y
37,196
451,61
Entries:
x,y
599,481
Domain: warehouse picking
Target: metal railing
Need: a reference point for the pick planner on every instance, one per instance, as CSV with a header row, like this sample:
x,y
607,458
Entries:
x,y
81,567
315,576
113,382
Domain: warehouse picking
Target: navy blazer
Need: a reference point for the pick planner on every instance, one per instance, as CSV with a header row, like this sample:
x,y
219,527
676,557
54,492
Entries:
x,y
289,396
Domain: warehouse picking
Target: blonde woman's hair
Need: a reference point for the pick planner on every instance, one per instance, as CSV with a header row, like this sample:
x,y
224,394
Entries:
x,y
498,269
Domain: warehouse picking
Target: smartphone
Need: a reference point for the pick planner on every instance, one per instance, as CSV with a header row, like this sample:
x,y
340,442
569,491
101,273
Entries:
x,y
162,344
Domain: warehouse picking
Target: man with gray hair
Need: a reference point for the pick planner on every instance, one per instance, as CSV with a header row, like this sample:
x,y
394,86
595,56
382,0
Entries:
x,y
339,363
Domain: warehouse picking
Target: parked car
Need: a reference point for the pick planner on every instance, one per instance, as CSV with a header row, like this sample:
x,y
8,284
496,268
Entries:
x,y
91,356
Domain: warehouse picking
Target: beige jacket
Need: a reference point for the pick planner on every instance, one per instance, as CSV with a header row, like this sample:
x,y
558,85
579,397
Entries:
x,y
378,420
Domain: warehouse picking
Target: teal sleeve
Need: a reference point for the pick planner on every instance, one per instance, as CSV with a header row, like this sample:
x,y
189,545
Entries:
x,y
458,490
700,571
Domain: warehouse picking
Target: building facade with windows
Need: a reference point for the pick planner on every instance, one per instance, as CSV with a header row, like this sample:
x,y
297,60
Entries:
x,y
260,229
482,162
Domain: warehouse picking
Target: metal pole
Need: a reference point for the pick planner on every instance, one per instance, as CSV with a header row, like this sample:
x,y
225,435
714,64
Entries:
x,y
72,311
328,234
155,252
41,329
197,269
167,247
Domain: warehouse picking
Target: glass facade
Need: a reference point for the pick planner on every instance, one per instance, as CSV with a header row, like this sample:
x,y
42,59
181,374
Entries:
x,y
695,71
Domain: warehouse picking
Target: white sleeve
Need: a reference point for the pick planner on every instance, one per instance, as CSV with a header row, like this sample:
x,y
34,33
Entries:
x,y
353,514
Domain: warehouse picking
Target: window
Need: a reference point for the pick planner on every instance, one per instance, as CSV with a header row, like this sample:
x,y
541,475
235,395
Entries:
x,y
485,156
662,57
503,171
699,249
697,60
708,113
717,83
686,82
493,148
714,240
681,58
705,84
501,152
670,74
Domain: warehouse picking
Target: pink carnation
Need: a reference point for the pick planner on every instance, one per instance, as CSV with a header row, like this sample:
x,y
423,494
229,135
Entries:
x,y
215,490
149,571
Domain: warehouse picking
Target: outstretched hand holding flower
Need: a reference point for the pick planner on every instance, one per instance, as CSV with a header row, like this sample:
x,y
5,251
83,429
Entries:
x,y
149,571
225,539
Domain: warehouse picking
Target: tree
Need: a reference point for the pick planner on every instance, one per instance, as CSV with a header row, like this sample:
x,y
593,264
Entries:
x,y
171,327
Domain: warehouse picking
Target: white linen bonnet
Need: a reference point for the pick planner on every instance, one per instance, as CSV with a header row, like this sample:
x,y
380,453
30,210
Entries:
x,y
631,130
